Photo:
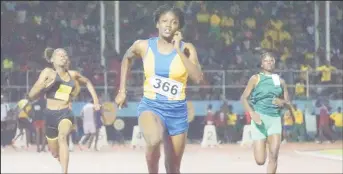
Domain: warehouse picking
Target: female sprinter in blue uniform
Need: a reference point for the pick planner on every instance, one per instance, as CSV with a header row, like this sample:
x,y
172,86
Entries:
x,y
59,85
167,64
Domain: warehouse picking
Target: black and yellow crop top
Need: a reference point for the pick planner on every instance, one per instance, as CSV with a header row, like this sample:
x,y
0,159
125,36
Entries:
x,y
60,89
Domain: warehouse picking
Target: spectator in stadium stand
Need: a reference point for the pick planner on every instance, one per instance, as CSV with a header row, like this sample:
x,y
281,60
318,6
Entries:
x,y
89,124
5,108
299,125
221,127
25,123
9,129
214,25
77,29
231,124
337,118
300,90
288,127
326,71
209,118
39,123
325,132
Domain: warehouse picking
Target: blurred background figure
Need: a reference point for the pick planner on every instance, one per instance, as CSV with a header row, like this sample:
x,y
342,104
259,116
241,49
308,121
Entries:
x,y
288,127
337,118
221,127
25,125
5,109
231,125
39,123
210,116
299,125
89,124
325,131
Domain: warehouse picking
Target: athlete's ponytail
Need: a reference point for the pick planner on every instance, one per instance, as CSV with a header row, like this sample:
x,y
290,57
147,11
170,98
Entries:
x,y
48,54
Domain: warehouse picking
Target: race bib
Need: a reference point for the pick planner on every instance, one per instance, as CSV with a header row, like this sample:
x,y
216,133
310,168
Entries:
x,y
276,79
63,92
166,87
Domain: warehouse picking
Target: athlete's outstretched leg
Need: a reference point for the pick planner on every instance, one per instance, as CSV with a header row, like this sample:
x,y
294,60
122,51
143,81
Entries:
x,y
174,147
152,128
274,142
260,151
64,128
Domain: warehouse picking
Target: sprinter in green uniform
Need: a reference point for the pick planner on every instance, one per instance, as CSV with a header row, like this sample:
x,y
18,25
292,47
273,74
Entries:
x,y
264,97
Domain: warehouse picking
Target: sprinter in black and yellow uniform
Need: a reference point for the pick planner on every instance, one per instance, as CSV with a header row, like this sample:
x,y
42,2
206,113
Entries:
x,y
59,85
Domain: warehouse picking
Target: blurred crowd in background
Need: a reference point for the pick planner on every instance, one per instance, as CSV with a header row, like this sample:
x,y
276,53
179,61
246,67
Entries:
x,y
224,33
229,126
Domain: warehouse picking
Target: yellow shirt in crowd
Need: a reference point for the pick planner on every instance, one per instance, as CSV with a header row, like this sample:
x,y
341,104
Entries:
x,y
337,117
272,33
298,116
309,55
203,17
215,20
227,22
180,4
299,89
231,119
284,35
287,119
326,72
228,37
277,24
250,22
7,63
